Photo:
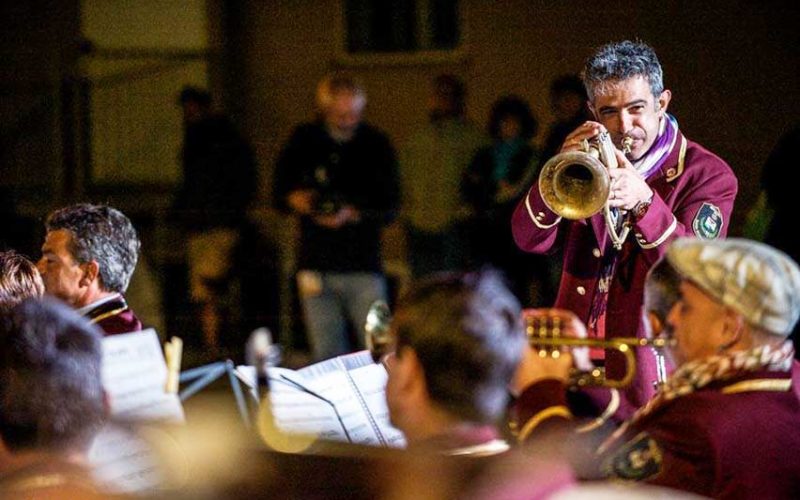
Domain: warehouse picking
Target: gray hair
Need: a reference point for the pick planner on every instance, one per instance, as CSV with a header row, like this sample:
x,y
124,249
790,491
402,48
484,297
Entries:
x,y
103,234
619,61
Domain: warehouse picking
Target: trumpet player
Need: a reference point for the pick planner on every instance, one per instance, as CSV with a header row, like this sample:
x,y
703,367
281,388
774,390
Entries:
x,y
666,186
727,422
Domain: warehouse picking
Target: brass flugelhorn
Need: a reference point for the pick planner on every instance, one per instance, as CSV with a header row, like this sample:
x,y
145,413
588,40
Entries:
x,y
545,335
576,184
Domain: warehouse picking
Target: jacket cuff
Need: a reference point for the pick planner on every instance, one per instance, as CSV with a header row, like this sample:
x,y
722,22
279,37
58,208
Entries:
x,y
540,215
656,226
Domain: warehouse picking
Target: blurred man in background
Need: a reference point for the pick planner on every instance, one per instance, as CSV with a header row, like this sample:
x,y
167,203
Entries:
x,y
339,175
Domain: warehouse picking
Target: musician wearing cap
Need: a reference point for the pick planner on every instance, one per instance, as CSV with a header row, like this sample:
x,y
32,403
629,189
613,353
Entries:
x,y
666,186
727,422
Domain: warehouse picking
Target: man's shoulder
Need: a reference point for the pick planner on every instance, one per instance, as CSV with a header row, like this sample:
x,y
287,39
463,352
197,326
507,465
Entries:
x,y
371,133
697,157
691,164
307,130
734,408
114,317
49,477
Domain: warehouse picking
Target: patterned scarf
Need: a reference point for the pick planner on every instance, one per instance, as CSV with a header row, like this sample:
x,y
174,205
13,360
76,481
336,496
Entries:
x,y
695,375
661,148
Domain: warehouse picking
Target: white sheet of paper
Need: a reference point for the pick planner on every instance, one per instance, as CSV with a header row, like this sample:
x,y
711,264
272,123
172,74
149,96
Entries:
x,y
134,375
297,411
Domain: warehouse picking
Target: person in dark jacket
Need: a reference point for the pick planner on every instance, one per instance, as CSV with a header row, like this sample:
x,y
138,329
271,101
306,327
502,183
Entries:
x,y
339,175
219,184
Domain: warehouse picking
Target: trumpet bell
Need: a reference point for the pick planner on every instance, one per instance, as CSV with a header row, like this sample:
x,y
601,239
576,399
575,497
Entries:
x,y
574,185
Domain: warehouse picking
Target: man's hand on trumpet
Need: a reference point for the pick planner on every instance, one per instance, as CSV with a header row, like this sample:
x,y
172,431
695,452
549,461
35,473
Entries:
x,y
578,139
628,188
540,363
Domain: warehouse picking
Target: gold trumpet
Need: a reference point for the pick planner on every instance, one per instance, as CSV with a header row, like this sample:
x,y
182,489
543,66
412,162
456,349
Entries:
x,y
544,334
576,184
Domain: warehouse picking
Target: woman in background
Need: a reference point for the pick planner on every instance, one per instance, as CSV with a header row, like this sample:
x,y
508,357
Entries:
x,y
495,181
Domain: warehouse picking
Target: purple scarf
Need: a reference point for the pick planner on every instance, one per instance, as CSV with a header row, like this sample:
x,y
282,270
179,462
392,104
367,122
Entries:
x,y
660,149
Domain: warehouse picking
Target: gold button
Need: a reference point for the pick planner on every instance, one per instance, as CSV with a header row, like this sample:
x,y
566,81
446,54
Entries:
x,y
581,290
670,172
541,215
596,252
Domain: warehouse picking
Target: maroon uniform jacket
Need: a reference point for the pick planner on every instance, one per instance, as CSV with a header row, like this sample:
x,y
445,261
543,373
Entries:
x,y
731,439
115,317
694,191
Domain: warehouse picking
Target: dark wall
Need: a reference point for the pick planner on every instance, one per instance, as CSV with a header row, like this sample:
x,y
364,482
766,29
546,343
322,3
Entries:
x,y
732,66
38,55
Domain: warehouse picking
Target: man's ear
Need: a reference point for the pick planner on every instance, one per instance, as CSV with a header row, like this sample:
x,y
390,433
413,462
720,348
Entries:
x,y
410,371
663,101
91,270
733,329
656,325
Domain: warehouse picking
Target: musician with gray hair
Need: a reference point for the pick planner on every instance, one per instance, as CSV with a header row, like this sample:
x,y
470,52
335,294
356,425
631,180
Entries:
x,y
731,402
88,257
667,186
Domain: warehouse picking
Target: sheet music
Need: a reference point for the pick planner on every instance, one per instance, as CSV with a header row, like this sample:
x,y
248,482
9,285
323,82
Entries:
x,y
122,462
371,383
134,375
353,384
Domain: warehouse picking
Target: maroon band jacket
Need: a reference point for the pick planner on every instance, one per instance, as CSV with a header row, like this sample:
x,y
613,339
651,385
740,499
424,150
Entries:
x,y
694,191
114,317
731,439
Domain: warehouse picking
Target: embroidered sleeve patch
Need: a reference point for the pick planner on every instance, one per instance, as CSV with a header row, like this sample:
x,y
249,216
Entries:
x,y
708,222
638,459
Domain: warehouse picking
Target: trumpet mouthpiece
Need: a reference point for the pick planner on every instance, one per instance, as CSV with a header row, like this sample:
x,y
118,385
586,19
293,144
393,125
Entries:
x,y
627,144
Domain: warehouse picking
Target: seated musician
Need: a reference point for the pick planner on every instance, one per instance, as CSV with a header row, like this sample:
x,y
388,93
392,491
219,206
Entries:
x,y
457,341
52,401
88,257
728,406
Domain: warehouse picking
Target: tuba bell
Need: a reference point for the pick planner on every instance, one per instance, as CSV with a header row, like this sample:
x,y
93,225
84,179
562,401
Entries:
x,y
576,184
